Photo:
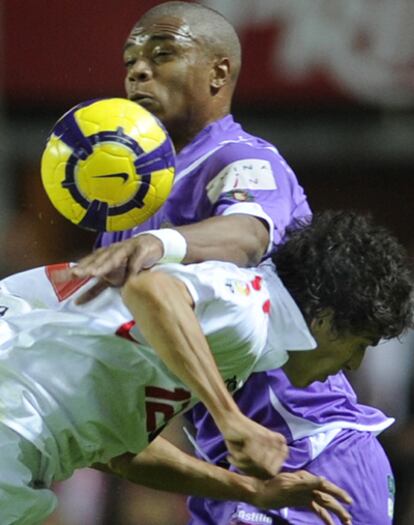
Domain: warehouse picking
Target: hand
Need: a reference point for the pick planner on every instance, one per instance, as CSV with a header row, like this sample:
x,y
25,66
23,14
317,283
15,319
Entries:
x,y
113,265
302,489
252,448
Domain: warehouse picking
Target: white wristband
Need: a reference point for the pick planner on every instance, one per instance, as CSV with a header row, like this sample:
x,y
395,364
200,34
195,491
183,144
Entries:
x,y
174,244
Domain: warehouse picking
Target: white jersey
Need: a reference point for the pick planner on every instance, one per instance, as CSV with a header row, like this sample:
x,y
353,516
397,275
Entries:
x,y
80,383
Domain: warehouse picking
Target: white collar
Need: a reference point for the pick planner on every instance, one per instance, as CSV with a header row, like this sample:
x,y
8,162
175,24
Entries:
x,y
287,329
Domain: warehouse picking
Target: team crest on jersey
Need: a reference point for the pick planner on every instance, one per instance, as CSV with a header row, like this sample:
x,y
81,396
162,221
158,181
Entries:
x,y
240,195
238,287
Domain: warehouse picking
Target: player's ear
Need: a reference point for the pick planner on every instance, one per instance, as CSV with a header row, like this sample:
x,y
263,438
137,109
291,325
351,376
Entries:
x,y
322,322
220,73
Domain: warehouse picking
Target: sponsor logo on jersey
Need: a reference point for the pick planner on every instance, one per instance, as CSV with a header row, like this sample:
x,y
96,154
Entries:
x,y
252,517
246,174
238,287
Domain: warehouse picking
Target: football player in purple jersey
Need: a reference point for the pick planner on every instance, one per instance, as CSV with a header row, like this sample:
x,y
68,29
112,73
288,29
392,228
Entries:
x,y
233,197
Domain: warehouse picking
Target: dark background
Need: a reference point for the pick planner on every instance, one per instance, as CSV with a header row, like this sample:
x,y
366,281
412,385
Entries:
x,y
330,83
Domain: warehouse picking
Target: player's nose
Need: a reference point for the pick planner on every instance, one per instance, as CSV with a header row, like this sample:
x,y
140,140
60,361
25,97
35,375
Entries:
x,y
140,71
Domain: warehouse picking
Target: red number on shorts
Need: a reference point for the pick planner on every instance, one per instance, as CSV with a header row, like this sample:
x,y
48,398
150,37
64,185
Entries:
x,y
163,401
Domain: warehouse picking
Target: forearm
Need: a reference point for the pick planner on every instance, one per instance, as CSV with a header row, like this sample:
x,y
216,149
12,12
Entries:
x,y
162,308
238,238
163,466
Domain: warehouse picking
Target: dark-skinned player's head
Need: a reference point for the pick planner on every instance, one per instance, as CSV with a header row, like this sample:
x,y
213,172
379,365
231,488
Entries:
x,y
353,284
182,62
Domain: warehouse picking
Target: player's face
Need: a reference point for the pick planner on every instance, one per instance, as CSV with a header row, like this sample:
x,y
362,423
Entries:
x,y
333,353
168,72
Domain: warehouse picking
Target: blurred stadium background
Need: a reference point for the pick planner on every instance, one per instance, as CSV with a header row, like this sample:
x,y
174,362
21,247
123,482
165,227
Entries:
x,y
329,82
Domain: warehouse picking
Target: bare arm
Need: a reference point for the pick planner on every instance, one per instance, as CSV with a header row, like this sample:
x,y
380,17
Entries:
x,y
241,239
163,309
163,466
168,323
237,238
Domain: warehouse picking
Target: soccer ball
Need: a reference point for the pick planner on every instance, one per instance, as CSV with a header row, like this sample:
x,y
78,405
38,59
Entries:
x,y
108,165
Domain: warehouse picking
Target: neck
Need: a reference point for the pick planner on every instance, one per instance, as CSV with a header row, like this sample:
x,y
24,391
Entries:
x,y
296,369
182,135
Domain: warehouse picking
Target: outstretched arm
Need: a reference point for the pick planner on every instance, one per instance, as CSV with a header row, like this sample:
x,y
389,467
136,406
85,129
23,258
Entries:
x,y
163,309
163,466
238,238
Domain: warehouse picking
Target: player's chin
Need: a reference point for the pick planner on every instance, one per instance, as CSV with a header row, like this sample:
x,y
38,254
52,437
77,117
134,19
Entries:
x,y
150,104
303,382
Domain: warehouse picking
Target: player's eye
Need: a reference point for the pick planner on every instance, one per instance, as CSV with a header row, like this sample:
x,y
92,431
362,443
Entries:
x,y
129,62
160,54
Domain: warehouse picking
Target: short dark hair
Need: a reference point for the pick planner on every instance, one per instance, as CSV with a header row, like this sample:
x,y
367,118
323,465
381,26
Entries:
x,y
218,33
343,262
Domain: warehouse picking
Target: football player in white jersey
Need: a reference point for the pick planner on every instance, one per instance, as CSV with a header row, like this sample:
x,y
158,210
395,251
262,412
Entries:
x,y
83,384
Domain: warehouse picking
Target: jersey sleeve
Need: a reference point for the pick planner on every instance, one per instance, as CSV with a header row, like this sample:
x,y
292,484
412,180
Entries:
x,y
256,180
203,280
229,292
41,287
31,288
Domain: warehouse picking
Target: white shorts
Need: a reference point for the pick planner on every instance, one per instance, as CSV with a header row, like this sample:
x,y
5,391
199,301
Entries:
x,y
20,502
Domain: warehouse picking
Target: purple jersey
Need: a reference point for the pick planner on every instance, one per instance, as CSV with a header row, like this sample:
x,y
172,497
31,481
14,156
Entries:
x,y
328,433
226,170
310,418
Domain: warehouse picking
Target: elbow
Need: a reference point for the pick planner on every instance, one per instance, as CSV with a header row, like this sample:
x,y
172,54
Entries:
x,y
259,240
154,293
143,288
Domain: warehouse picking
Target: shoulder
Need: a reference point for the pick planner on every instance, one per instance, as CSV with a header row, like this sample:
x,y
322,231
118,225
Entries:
x,y
243,148
248,162
216,280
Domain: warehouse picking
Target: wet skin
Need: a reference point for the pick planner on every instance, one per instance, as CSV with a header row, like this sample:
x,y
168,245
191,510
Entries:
x,y
169,71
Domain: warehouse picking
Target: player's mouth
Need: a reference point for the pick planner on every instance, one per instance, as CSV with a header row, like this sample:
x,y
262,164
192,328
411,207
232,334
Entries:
x,y
144,99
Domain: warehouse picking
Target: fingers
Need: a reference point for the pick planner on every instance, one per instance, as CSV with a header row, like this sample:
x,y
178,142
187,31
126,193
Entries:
x,y
92,292
322,513
332,489
62,276
323,504
102,262
134,255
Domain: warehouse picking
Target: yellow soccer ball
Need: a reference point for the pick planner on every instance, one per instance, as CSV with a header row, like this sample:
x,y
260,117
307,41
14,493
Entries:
x,y
108,165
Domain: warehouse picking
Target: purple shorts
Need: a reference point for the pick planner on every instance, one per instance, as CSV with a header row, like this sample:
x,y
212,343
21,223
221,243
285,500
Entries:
x,y
355,461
